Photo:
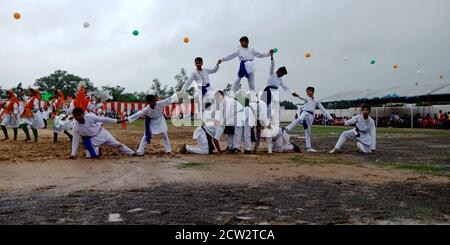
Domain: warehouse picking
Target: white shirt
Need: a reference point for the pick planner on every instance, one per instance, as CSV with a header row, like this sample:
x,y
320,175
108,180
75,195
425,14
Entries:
x,y
312,104
158,123
229,112
211,129
90,128
248,55
254,111
46,115
275,80
367,126
200,77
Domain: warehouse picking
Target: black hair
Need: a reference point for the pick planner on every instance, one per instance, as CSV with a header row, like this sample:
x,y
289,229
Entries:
x,y
247,102
220,92
77,111
283,70
244,39
198,59
32,91
150,98
311,88
366,107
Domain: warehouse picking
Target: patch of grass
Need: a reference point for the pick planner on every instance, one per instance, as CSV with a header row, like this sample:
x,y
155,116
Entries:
x,y
427,214
430,169
381,132
192,165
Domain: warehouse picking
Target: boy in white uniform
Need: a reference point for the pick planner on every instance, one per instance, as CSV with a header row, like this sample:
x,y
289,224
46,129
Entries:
x,y
254,115
11,115
155,123
230,114
271,94
246,69
364,133
32,115
306,116
207,137
279,143
201,78
88,128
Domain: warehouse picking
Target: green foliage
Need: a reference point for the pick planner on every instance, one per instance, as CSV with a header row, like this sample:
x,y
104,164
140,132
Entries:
x,y
67,82
288,105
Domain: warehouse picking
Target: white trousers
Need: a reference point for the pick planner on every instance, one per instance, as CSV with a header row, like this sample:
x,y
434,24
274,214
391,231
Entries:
x,y
251,83
202,147
105,138
167,146
248,144
10,121
364,139
234,140
309,119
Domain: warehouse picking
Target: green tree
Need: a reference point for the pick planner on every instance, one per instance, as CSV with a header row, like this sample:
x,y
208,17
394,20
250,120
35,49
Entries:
x,y
181,80
158,90
116,92
288,105
67,82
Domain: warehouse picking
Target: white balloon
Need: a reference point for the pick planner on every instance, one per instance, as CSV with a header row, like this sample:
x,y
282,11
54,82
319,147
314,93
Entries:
x,y
419,72
86,25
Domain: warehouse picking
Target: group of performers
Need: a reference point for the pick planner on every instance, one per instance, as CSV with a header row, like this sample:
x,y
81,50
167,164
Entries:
x,y
255,118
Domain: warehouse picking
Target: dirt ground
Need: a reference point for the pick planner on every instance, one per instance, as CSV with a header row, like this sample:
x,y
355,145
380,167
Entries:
x,y
407,181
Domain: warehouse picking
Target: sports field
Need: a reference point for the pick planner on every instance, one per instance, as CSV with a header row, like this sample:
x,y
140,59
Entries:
x,y
406,181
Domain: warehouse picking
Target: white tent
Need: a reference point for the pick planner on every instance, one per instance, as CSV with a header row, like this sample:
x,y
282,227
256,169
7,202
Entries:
x,y
393,92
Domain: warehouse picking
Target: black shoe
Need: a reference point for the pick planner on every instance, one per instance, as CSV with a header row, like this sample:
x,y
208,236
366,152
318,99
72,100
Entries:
x,y
235,150
296,148
229,150
183,149
248,152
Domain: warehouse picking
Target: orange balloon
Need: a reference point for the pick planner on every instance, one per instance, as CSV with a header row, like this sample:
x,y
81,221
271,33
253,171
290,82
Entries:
x,y
186,40
308,55
395,67
17,16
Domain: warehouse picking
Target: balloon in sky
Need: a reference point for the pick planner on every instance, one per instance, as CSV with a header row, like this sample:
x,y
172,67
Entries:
x,y
17,16
308,55
275,50
186,40
441,77
345,59
136,32
86,24
47,96
418,72
373,62
395,67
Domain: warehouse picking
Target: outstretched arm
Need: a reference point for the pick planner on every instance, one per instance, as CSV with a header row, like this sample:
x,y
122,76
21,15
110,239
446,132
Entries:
x,y
262,55
230,57
136,116
373,135
325,112
98,119
188,83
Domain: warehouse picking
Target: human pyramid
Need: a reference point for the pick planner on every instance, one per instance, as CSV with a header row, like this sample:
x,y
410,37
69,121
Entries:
x,y
250,121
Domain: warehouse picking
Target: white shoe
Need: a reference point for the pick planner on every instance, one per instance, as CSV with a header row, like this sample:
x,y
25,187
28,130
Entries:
x,y
360,147
333,151
311,150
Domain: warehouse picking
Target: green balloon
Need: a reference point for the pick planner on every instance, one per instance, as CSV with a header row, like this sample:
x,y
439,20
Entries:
x,y
275,50
373,62
136,33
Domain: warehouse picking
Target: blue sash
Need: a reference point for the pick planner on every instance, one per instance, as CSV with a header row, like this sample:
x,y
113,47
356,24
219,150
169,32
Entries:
x,y
205,89
148,129
88,146
242,70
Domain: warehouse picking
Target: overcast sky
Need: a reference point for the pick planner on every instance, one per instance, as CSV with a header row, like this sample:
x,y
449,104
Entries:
x,y
412,33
